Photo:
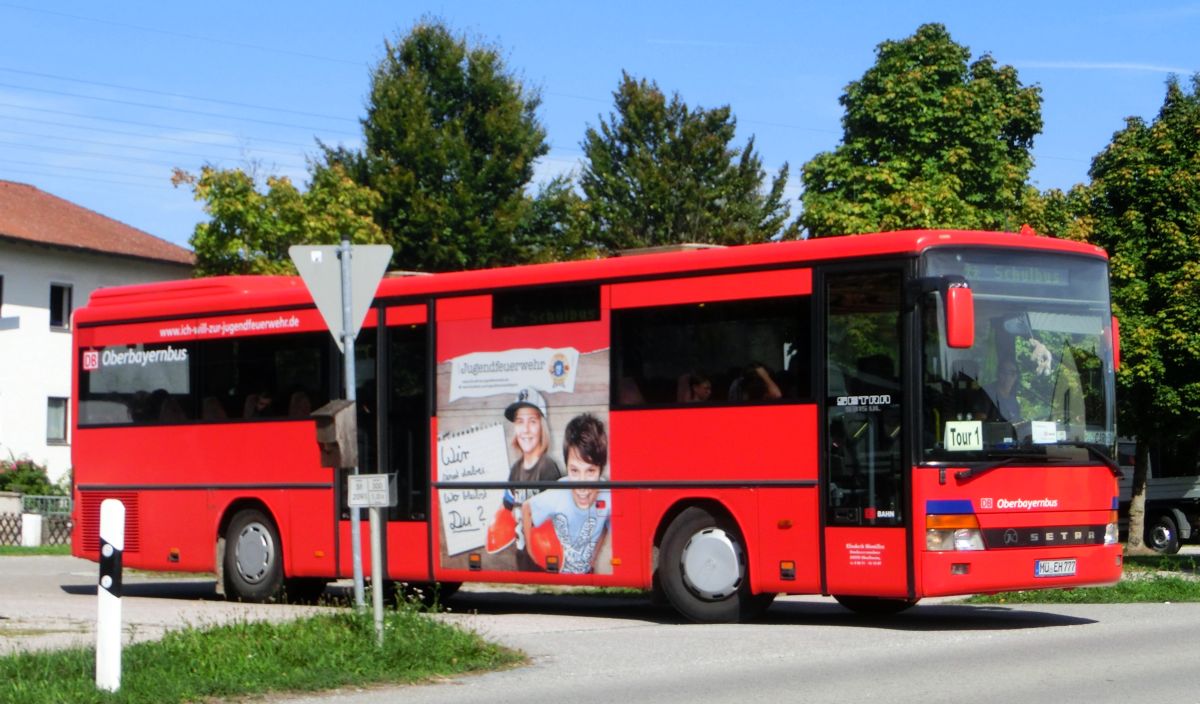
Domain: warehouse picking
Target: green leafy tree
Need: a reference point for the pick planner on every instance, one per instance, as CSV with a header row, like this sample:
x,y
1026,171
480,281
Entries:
x,y
249,231
659,173
1146,208
552,229
929,141
450,142
1060,214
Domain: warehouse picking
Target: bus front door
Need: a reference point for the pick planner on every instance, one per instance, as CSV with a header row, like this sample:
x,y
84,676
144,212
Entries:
x,y
865,547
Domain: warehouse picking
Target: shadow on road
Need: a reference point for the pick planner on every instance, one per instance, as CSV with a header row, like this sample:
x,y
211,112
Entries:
x,y
930,617
205,590
927,617
935,617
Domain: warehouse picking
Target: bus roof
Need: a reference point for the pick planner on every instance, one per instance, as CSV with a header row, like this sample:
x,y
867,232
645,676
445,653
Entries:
x,y
244,293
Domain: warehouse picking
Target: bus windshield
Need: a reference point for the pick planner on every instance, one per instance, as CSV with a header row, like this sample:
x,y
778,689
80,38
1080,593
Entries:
x,y
1038,381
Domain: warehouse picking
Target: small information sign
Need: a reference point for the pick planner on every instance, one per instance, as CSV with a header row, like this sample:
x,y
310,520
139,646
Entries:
x,y
371,491
964,435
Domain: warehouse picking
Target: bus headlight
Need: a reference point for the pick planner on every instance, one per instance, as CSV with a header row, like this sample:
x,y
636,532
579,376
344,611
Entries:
x,y
956,532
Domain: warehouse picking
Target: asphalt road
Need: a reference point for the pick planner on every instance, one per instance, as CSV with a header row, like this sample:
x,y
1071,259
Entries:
x,y
600,649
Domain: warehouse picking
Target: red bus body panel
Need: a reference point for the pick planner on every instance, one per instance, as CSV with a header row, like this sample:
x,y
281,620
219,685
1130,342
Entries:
x,y
1040,499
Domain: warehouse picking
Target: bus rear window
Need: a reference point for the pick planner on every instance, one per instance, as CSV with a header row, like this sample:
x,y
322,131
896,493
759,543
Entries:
x,y
136,384
269,376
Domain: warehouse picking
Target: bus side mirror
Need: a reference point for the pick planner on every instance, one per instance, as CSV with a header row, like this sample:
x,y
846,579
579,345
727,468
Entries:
x,y
337,433
1116,343
960,317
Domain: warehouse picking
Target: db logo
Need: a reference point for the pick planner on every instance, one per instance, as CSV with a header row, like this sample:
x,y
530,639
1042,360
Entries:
x,y
985,503
91,360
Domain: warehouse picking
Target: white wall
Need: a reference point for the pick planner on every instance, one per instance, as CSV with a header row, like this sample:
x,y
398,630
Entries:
x,y
35,361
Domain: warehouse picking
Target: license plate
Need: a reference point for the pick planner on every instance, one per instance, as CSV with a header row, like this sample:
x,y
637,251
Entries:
x,y
1054,568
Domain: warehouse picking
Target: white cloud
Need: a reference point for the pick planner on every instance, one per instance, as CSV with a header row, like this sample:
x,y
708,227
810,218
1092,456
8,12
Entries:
x,y
1101,66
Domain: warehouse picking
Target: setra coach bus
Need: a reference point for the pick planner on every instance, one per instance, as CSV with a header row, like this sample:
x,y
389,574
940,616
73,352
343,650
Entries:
x,y
879,418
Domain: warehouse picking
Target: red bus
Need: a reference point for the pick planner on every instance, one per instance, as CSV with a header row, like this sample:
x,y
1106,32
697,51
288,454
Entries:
x,y
879,418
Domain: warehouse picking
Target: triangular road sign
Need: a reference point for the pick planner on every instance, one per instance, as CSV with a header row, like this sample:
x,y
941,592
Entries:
x,y
321,270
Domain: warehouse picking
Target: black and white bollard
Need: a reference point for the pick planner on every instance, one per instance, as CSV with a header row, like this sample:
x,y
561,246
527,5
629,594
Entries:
x,y
108,622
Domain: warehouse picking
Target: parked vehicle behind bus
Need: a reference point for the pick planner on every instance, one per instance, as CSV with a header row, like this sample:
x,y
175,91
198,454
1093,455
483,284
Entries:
x,y
1172,491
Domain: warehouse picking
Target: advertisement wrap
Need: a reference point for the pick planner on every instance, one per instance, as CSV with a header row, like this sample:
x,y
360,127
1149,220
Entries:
x,y
513,424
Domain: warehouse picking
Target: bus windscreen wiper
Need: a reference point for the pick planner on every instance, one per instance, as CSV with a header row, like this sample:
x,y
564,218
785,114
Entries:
x,y
1095,452
965,474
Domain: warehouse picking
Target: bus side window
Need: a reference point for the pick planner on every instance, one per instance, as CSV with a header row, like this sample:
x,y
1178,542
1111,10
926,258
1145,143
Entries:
x,y
740,351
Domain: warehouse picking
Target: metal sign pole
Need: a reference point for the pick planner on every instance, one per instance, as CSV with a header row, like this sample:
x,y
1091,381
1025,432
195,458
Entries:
x,y
343,296
351,392
377,573
374,491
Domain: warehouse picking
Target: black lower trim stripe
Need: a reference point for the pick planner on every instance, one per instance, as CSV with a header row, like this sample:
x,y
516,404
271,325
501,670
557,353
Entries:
x,y
199,487
680,484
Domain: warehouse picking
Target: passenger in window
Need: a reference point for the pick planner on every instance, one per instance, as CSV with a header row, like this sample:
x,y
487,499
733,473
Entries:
x,y
628,392
169,410
531,440
1004,392
211,409
258,405
570,525
299,405
694,388
755,384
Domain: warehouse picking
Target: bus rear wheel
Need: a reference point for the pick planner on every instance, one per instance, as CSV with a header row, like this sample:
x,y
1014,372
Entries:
x,y
702,569
253,560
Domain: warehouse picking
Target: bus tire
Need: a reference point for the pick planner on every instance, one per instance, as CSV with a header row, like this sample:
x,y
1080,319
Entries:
x,y
875,606
1163,535
253,559
703,569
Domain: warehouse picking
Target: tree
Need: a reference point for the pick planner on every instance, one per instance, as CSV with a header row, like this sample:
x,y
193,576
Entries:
x,y
451,138
249,231
659,173
1145,201
928,141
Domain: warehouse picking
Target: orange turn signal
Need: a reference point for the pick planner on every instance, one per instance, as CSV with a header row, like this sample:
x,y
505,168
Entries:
x,y
952,521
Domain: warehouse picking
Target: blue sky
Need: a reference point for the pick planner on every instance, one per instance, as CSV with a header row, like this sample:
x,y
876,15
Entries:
x,y
99,101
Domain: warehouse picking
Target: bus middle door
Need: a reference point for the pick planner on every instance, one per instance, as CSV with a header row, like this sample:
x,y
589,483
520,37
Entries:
x,y
393,421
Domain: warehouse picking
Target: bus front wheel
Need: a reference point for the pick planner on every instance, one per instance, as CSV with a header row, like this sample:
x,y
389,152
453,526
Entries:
x,y
253,560
702,569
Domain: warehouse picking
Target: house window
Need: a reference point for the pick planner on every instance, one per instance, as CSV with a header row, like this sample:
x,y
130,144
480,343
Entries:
x,y
60,306
56,421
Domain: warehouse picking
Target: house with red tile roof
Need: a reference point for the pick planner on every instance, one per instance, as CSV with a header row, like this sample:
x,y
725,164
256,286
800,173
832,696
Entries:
x,y
53,254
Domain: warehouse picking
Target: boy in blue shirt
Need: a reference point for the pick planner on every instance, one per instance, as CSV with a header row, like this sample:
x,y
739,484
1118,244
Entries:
x,y
579,515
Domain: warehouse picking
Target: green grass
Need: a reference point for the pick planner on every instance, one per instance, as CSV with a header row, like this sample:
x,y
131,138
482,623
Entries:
x,y
1147,579
42,550
249,659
